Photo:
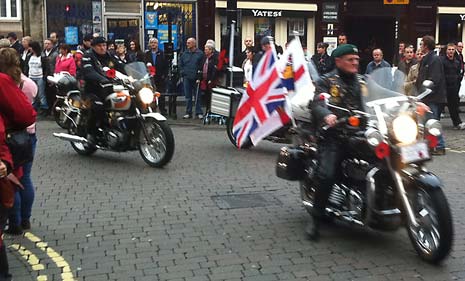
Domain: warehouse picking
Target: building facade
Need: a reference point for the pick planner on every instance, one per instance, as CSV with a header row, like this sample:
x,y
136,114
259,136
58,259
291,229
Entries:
x,y
367,23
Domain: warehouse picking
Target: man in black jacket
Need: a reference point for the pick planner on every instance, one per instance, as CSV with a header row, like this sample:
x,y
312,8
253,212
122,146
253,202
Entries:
x,y
453,75
432,69
15,44
323,62
97,85
156,58
344,86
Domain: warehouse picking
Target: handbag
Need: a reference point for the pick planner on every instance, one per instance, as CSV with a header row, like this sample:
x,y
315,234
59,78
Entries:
x,y
203,85
462,89
20,145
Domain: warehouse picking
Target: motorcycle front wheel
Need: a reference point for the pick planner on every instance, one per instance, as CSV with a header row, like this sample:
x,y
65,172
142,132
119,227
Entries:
x,y
157,148
229,130
432,238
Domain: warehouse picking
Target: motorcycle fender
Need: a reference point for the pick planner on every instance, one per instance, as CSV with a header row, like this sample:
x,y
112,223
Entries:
x,y
427,179
157,116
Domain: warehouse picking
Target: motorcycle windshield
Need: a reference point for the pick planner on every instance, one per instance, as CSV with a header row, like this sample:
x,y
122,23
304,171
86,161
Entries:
x,y
137,70
385,89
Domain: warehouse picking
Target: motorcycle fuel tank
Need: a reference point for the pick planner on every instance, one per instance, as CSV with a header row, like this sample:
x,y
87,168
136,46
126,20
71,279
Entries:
x,y
119,101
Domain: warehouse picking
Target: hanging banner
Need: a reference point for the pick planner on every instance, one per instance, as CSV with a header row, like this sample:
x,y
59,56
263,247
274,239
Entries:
x,y
71,35
163,35
396,2
96,12
151,20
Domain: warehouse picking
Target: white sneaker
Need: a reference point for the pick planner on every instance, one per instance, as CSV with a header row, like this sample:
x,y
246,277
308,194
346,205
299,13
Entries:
x,y
461,126
200,116
187,116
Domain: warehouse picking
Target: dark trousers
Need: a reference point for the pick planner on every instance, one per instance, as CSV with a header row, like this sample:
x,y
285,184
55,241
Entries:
x,y
206,99
437,109
96,114
4,267
50,93
453,102
331,153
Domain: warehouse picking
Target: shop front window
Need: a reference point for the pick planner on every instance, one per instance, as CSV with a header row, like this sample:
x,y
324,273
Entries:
x,y
297,27
450,29
263,27
71,15
180,16
9,9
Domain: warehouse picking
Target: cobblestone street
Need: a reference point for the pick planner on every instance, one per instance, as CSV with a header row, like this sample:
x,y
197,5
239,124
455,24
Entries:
x,y
111,217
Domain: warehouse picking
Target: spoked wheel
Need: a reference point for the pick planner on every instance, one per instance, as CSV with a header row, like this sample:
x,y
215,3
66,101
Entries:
x,y
158,148
59,116
229,130
432,238
80,148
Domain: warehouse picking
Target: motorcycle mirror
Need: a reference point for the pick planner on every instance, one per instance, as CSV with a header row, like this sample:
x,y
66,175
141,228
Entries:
x,y
428,84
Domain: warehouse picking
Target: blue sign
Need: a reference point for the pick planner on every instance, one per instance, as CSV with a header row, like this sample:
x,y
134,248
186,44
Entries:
x,y
71,35
151,20
163,35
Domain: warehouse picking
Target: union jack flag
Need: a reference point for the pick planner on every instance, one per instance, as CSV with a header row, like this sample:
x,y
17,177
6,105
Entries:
x,y
265,97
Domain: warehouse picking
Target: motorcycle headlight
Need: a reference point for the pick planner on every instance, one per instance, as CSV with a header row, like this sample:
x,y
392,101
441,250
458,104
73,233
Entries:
x,y
405,129
433,127
146,95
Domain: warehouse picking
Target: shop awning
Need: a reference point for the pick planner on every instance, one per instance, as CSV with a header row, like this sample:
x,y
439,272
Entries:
x,y
450,10
270,6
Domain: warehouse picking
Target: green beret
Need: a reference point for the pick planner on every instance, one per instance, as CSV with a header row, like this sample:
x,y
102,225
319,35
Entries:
x,y
346,49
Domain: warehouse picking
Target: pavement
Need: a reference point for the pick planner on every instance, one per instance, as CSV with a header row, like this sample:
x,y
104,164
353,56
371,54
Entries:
x,y
213,213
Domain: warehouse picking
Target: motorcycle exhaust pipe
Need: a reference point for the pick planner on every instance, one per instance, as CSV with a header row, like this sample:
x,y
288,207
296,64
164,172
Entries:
x,y
58,109
71,138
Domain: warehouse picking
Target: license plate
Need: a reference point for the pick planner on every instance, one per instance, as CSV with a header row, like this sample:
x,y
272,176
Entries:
x,y
414,152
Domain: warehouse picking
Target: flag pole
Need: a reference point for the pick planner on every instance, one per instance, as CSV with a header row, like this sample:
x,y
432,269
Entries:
x,y
231,52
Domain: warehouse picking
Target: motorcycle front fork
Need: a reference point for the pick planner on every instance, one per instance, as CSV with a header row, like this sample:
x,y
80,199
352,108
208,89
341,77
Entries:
x,y
403,196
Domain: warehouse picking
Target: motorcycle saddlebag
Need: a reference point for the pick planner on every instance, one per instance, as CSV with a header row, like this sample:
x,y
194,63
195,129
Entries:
x,y
290,165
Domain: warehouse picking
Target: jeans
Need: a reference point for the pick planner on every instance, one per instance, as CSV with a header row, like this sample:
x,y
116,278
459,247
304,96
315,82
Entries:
x,y
191,90
41,97
437,109
24,197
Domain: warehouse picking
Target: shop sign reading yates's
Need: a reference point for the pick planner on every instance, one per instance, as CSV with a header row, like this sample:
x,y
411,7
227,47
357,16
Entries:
x,y
462,17
266,13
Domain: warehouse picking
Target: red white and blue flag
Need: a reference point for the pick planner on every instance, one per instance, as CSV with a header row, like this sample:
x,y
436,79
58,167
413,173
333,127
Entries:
x,y
262,108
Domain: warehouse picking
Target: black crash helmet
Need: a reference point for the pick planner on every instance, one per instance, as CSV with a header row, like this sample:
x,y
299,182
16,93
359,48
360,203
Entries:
x,y
67,83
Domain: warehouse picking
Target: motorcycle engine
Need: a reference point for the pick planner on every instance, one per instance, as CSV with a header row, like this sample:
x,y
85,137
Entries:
x,y
117,135
116,139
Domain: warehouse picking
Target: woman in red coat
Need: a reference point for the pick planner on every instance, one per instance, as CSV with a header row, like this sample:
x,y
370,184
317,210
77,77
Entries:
x,y
16,113
65,61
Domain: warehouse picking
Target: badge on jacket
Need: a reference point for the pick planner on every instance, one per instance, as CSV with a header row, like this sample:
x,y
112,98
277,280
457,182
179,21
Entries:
x,y
334,91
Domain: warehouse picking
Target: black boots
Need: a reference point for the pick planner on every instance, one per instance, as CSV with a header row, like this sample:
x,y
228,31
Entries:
x,y
313,228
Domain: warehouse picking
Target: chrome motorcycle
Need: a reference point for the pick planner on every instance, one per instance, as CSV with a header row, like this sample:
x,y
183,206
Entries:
x,y
130,123
384,183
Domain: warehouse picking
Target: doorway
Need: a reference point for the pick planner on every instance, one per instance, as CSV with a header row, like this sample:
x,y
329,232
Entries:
x,y
126,29
368,33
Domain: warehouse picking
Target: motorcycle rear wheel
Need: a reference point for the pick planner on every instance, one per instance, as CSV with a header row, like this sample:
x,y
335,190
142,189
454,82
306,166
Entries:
x,y
59,117
158,150
81,148
229,130
432,239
